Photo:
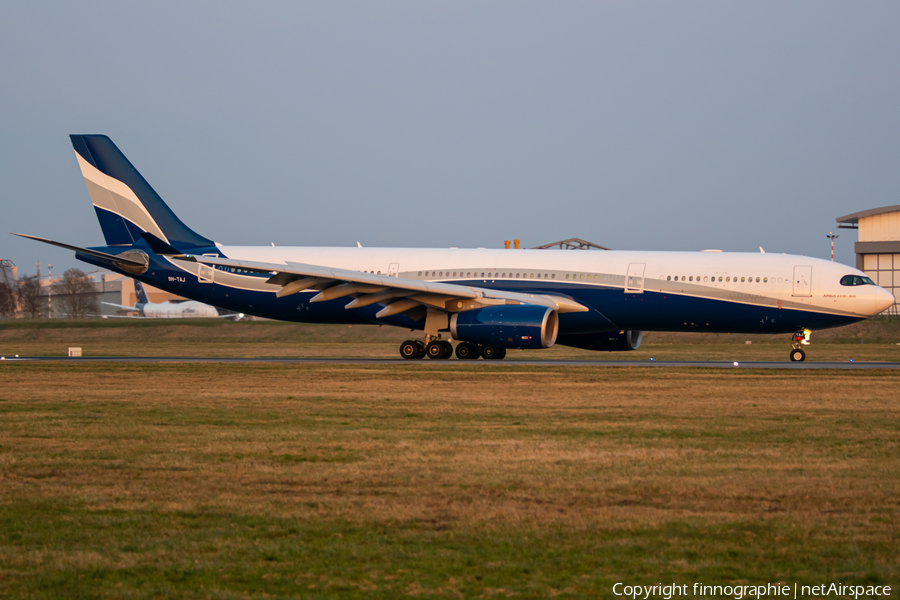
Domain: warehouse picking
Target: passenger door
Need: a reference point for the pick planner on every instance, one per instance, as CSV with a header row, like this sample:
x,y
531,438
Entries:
x,y
206,273
634,278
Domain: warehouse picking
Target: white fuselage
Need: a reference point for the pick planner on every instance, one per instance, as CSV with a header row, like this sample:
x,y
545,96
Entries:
x,y
178,310
782,280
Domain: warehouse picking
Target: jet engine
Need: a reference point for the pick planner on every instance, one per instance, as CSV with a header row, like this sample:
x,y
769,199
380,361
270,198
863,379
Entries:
x,y
608,341
522,326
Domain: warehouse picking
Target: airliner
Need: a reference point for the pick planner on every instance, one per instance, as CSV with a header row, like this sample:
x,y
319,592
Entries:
x,y
188,309
486,300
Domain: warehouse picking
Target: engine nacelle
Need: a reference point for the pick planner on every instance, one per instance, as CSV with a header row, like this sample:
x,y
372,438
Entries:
x,y
525,326
608,341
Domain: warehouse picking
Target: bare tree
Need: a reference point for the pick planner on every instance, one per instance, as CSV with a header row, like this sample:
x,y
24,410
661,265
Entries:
x,y
34,304
8,302
76,294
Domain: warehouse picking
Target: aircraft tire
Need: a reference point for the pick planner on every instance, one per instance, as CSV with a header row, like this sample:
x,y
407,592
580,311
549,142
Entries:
x,y
410,350
434,350
448,349
466,351
798,355
493,353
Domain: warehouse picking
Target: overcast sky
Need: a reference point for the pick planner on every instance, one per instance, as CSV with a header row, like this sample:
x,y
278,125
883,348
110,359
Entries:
x,y
636,125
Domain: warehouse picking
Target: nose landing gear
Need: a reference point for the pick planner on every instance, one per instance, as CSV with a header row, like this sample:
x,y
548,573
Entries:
x,y
800,338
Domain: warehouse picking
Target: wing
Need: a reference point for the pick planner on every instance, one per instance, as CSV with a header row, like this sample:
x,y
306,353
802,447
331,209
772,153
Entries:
x,y
398,294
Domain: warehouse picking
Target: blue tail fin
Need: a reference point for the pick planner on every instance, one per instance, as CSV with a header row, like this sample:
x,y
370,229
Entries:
x,y
125,203
142,297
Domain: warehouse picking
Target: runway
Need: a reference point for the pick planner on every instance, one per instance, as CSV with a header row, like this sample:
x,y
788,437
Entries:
x,y
460,363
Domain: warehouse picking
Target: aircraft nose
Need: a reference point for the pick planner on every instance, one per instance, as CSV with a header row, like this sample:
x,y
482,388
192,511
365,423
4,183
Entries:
x,y
883,300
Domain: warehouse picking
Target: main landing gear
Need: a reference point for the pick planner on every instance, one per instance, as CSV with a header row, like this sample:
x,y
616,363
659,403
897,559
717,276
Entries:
x,y
800,338
442,349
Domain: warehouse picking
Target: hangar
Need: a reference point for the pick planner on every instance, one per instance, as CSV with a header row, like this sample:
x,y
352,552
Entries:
x,y
878,248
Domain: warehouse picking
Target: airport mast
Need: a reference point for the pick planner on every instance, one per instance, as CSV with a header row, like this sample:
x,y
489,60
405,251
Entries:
x,y
832,237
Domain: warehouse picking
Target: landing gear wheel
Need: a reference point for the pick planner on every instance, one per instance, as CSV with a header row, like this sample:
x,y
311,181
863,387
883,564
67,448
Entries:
x,y
800,338
435,350
493,353
448,349
466,351
410,349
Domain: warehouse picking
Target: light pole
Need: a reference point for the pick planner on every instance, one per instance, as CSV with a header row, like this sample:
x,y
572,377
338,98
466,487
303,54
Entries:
x,y
832,237
50,291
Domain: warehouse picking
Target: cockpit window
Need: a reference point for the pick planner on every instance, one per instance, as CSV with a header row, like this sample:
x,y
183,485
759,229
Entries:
x,y
856,280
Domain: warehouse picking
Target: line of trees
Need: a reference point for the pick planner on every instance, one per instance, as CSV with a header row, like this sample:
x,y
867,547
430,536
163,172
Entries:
x,y
77,295
31,301
74,292
8,301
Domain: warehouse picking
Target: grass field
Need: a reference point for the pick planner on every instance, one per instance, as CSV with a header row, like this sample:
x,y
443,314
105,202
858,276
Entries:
x,y
867,341
265,480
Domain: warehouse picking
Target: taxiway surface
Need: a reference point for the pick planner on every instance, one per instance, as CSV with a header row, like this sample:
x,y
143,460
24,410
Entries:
x,y
473,363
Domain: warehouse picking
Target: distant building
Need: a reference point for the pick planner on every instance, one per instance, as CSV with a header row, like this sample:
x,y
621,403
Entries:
x,y
110,287
878,248
9,274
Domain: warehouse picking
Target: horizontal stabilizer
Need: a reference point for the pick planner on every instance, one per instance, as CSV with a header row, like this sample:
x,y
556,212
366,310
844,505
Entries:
x,y
103,255
122,306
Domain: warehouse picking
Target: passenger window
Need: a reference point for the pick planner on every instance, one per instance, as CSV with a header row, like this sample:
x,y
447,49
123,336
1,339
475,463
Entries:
x,y
691,278
553,276
742,280
728,279
705,279
765,280
757,280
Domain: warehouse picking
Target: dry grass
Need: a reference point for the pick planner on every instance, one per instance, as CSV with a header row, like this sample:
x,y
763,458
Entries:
x,y
801,471
388,428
